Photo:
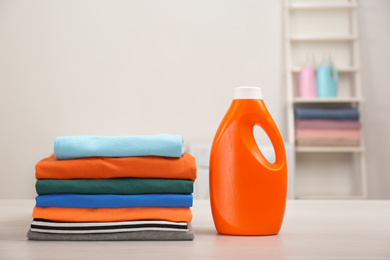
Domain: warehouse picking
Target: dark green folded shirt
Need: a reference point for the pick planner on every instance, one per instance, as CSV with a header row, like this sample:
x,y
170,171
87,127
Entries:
x,y
126,186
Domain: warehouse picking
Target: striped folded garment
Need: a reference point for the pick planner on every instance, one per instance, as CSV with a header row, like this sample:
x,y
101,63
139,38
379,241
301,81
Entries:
x,y
42,229
48,226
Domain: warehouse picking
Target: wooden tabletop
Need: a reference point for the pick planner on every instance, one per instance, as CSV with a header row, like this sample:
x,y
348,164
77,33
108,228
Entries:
x,y
312,229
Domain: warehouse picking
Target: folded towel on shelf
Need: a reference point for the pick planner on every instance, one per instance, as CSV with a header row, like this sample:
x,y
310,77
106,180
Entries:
x,y
327,142
179,214
322,113
148,235
327,124
73,147
326,134
68,200
106,167
124,186
55,227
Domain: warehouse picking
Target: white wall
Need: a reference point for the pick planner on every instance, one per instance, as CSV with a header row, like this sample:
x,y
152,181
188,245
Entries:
x,y
123,67
375,55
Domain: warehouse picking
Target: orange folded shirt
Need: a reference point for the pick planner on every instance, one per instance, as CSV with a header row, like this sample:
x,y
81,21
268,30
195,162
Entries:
x,y
112,214
107,167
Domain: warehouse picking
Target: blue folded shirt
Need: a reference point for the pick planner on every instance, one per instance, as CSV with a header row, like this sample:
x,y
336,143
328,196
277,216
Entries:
x,y
113,200
74,147
331,114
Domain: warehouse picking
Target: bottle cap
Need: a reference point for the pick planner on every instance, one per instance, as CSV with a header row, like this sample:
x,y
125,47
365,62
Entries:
x,y
327,60
248,92
310,61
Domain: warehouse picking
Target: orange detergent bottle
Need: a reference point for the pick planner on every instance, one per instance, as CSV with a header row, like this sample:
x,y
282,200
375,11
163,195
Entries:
x,y
247,193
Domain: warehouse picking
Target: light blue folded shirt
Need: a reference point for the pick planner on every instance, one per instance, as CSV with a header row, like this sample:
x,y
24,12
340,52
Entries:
x,y
74,147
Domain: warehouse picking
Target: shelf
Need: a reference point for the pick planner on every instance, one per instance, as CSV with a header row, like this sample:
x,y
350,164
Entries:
x,y
322,6
301,18
340,69
329,196
329,149
330,38
300,100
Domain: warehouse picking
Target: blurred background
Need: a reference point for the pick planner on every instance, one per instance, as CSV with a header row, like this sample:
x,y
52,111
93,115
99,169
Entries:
x,y
128,67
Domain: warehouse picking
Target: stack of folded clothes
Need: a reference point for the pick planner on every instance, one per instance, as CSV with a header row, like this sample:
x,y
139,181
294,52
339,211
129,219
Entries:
x,y
327,127
114,188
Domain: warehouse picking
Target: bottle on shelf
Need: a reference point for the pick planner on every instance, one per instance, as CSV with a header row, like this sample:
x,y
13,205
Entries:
x,y
327,78
307,78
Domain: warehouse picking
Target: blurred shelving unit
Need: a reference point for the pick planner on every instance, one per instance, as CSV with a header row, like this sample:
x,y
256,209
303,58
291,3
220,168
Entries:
x,y
343,40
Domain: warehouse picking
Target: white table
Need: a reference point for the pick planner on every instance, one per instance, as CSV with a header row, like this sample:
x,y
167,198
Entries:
x,y
311,230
